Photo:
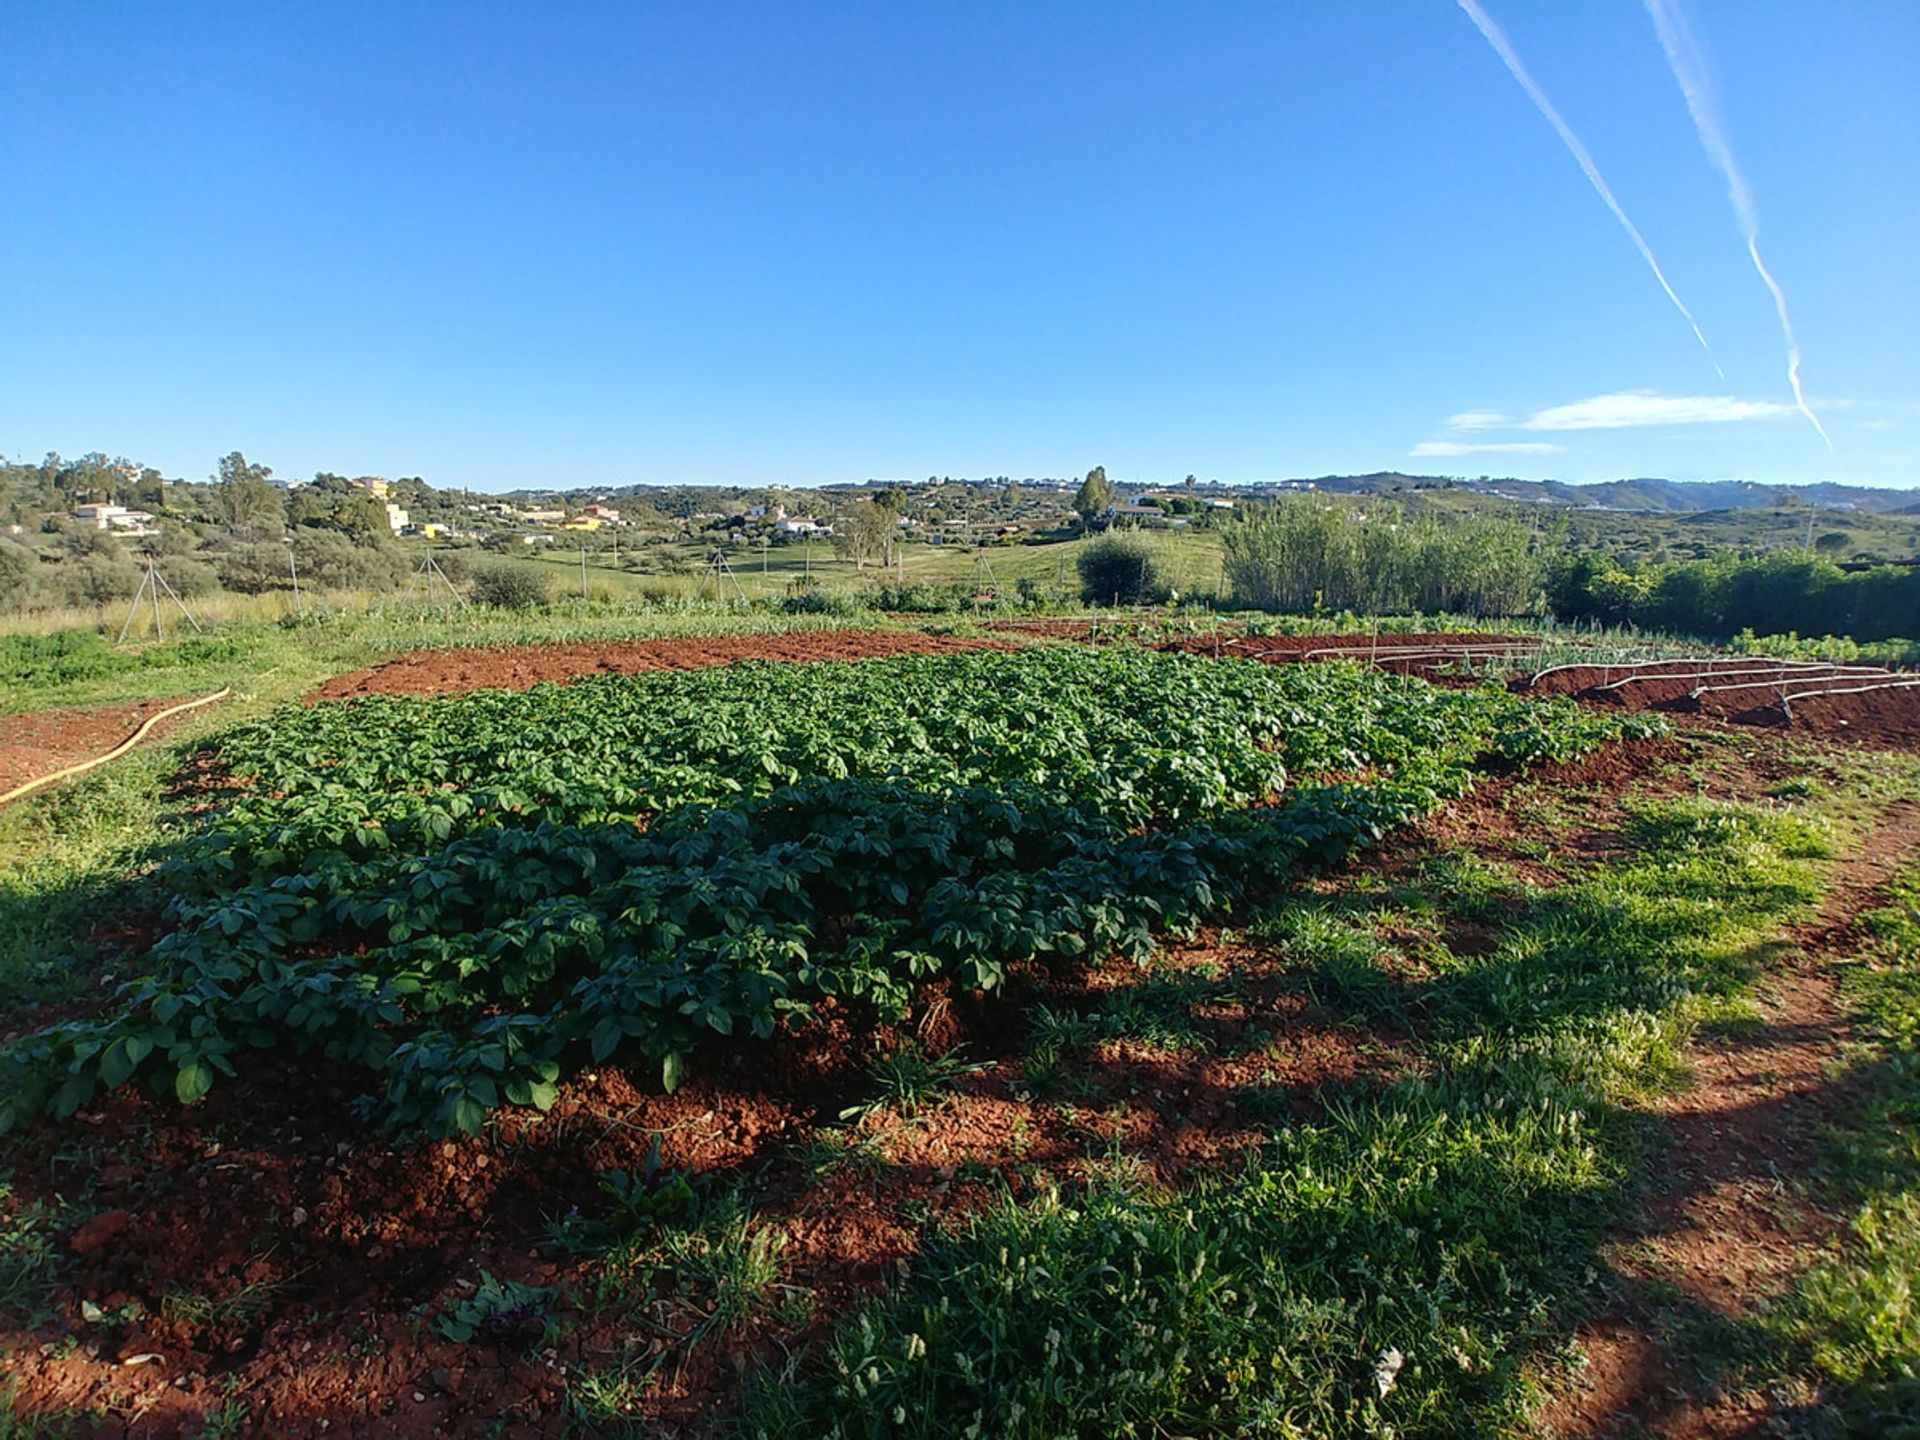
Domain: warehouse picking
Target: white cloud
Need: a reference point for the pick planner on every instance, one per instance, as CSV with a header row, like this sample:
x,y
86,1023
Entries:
x,y
1627,409
1478,420
1456,447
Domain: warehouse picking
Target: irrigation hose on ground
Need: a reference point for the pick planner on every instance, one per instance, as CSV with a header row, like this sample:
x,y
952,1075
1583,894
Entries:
x,y
122,748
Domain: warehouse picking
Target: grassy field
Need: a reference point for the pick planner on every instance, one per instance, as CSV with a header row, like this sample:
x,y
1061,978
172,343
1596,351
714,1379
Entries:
x,y
1066,1042
1190,559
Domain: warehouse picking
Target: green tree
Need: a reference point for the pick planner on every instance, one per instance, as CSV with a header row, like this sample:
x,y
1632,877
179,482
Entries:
x,y
360,512
245,498
1119,570
1096,494
861,532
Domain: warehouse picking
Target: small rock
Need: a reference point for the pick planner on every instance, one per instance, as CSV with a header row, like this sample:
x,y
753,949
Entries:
x,y
444,1379
299,1214
419,1396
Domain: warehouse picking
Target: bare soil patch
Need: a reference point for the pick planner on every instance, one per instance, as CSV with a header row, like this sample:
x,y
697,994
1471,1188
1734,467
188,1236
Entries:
x,y
1752,698
518,667
38,742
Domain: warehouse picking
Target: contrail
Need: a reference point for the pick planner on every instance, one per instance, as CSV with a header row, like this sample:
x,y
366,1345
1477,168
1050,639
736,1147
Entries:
x,y
1690,73
1497,38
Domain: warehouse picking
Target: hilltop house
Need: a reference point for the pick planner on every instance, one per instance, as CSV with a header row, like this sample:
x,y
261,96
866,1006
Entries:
x,y
115,517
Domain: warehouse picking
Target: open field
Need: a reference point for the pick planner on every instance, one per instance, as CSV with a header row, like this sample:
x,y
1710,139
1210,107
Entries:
x,y
931,1034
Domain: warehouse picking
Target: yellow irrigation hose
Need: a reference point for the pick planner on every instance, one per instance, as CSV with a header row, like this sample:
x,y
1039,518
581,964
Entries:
x,y
118,750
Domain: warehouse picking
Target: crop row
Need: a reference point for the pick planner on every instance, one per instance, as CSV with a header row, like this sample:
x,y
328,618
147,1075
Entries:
x,y
456,895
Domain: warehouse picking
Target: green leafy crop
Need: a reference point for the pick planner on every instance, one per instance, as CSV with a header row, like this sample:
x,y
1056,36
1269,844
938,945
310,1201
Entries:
x,y
472,896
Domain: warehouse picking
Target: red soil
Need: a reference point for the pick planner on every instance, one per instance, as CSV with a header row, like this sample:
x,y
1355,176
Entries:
x,y
334,1250
40,742
1887,717
518,667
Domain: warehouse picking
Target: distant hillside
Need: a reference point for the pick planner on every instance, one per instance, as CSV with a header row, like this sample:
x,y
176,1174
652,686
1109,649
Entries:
x,y
1664,497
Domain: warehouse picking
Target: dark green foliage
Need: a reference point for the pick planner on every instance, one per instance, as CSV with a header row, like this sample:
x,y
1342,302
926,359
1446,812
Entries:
x,y
1119,570
17,567
1794,592
509,587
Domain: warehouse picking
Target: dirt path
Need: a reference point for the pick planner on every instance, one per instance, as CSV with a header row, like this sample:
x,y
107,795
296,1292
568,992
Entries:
x,y
1729,1223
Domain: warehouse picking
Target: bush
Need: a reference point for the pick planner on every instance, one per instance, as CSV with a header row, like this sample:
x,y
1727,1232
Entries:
x,y
509,587
98,579
189,577
255,569
1119,570
1723,595
330,560
456,565
805,598
17,567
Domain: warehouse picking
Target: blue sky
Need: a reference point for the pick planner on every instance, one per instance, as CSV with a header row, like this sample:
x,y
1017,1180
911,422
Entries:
x,y
524,245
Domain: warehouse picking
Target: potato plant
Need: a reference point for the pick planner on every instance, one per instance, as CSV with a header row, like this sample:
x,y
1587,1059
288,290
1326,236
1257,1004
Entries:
x,y
472,896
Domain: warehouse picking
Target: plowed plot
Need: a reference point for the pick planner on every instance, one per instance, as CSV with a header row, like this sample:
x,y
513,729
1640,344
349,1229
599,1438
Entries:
x,y
556,1062
520,667
1863,703
1402,654
40,742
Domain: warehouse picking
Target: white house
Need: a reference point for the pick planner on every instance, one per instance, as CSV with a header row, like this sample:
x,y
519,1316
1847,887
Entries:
x,y
115,517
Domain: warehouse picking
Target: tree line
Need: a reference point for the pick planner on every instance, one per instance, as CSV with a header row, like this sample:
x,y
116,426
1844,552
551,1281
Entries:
x,y
1793,592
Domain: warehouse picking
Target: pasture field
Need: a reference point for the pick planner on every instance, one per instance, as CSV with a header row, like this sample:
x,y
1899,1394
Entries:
x,y
989,1035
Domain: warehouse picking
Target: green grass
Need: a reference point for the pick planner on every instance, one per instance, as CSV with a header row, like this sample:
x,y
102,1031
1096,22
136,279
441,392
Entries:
x,y
28,1259
1407,1264
66,858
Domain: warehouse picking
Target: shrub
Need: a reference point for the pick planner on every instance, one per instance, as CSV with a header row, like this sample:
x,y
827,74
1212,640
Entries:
x,y
329,560
17,567
509,587
189,577
807,598
1119,570
98,578
254,569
